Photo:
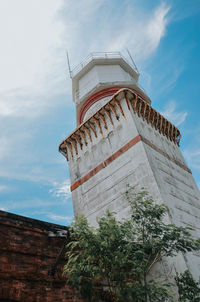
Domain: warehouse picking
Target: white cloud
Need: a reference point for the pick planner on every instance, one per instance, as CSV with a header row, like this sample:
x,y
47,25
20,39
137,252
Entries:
x,y
25,102
4,188
61,190
34,37
101,27
67,219
33,62
29,33
33,203
141,35
3,209
156,27
172,115
30,42
5,148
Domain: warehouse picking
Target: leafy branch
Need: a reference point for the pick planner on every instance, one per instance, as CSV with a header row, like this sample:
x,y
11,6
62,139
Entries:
x,y
112,262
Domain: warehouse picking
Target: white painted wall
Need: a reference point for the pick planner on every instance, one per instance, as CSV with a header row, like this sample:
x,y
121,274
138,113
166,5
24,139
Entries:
x,y
112,73
140,166
88,82
101,74
177,187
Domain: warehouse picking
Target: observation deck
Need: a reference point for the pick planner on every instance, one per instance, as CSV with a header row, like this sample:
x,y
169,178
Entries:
x,y
102,58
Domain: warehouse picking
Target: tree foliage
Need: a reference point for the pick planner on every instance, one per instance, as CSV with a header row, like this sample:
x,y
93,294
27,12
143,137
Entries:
x,y
188,288
113,261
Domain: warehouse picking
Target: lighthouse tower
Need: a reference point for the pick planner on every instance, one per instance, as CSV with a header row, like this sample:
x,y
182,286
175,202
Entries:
x,y
121,139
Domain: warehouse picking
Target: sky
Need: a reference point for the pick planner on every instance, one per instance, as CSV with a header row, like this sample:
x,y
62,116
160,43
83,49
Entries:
x,y
36,108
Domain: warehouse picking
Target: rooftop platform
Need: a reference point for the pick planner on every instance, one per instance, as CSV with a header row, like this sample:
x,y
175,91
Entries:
x,y
104,58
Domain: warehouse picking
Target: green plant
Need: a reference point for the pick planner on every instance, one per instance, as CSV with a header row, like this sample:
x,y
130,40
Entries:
x,y
188,288
112,262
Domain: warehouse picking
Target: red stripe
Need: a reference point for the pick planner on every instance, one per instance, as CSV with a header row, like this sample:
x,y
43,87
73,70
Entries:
x,y
109,160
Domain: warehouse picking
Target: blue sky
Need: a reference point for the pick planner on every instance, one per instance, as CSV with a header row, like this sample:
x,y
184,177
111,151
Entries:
x,y
36,108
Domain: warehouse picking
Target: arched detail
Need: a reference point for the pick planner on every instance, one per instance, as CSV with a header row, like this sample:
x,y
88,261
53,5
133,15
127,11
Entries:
x,y
95,98
98,96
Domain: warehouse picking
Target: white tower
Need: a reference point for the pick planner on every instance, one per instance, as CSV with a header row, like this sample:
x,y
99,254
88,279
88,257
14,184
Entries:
x,y
120,139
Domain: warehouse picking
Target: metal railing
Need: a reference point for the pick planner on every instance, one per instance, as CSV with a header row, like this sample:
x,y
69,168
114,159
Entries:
x,y
101,55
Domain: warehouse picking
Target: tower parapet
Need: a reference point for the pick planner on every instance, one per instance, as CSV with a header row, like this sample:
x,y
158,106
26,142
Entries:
x,y
97,123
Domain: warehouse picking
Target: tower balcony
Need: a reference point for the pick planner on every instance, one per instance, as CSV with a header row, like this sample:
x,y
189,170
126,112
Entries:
x,y
99,70
98,77
102,58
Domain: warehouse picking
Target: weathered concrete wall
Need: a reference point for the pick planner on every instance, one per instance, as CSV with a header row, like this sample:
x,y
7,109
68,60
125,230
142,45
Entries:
x,y
176,185
103,74
105,189
27,253
131,151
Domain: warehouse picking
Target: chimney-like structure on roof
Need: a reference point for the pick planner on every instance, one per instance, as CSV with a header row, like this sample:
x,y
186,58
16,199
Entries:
x,y
121,139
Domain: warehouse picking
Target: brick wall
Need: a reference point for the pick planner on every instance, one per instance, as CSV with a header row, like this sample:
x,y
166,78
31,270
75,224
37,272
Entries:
x,y
28,249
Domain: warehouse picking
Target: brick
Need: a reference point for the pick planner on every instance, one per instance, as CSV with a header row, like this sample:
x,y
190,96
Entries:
x,y
26,256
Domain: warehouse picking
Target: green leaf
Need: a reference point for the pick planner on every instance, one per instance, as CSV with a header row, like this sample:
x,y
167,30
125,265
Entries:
x,y
112,262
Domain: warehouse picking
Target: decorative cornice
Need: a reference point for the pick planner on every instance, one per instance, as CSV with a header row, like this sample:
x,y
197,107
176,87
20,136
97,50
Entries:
x,y
111,110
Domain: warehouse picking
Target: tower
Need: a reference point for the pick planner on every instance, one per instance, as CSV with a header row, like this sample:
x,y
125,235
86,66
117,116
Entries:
x,y
120,139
